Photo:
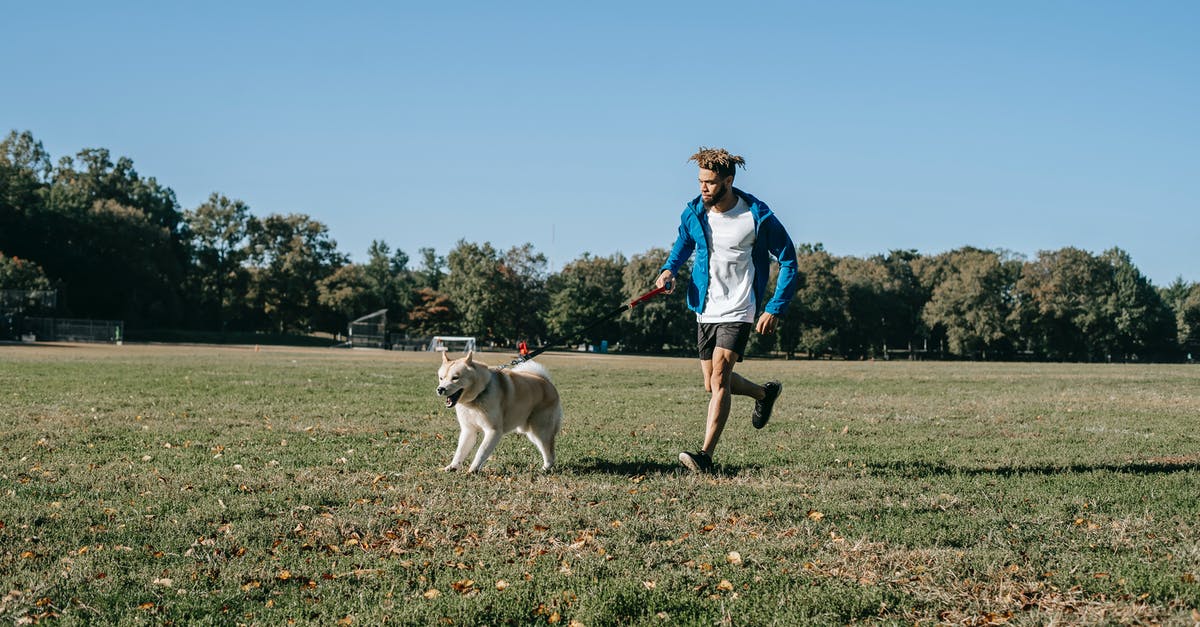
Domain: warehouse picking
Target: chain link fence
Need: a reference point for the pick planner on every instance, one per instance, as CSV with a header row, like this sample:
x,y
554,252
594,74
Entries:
x,y
71,330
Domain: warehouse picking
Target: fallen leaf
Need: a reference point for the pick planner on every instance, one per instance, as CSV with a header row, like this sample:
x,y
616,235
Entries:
x,y
649,585
284,575
734,558
501,585
432,593
165,582
815,515
725,586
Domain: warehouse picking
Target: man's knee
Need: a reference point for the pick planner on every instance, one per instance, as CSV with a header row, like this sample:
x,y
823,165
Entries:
x,y
720,377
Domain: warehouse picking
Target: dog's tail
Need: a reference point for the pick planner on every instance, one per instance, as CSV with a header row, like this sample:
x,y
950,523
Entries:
x,y
533,367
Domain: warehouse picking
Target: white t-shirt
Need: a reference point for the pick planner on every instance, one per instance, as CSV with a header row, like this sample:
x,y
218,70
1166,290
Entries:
x,y
730,267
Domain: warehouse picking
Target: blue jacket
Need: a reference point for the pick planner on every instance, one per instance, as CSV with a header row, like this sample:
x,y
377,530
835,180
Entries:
x,y
771,240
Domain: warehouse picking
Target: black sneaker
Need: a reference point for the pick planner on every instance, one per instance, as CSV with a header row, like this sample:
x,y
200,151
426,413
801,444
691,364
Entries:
x,y
762,409
696,462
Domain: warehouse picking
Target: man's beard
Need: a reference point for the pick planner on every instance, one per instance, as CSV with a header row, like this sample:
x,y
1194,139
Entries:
x,y
717,197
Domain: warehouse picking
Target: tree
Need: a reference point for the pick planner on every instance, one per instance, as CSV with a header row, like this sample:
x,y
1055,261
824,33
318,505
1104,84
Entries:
x,y
1142,324
1181,296
664,321
864,283
349,292
219,231
474,274
523,287
972,302
1061,305
1188,320
24,171
21,274
390,281
432,314
432,269
906,298
111,238
818,310
581,294
291,254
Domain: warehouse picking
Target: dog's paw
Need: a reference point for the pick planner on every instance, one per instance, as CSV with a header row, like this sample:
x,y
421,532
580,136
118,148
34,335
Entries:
x,y
451,468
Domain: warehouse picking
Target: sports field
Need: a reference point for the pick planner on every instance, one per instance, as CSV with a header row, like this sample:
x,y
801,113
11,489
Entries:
x,y
200,485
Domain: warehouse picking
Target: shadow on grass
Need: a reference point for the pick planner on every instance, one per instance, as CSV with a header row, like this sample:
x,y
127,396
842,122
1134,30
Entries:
x,y
637,467
1150,467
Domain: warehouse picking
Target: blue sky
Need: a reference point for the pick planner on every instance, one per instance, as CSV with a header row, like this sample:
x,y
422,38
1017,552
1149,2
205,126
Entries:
x,y
867,126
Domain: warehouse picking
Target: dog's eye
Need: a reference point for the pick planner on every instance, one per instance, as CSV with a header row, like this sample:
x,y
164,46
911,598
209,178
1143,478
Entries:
x,y
454,378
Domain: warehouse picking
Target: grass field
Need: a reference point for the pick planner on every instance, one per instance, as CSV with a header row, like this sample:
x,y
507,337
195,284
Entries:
x,y
196,485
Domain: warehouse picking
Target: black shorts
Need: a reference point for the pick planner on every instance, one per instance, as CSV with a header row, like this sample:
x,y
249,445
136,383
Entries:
x,y
728,335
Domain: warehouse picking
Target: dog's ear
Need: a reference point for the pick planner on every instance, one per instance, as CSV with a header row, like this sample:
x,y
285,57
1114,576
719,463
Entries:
x,y
445,358
470,355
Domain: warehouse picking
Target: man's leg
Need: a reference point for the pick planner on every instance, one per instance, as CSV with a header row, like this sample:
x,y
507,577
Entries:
x,y
722,382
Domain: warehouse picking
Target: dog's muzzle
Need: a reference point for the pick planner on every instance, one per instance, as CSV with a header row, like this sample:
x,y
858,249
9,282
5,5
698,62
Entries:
x,y
452,399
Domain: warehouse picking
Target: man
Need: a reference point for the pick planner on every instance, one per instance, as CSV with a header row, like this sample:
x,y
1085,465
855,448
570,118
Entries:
x,y
734,236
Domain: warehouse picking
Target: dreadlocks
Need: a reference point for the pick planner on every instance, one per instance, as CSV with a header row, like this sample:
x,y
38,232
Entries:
x,y
718,160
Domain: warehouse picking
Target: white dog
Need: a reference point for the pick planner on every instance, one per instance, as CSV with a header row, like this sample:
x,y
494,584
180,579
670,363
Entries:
x,y
496,401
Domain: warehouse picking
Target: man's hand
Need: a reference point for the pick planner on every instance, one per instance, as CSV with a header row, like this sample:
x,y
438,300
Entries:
x,y
663,279
767,323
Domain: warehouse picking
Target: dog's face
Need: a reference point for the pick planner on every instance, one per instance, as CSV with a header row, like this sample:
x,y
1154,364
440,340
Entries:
x,y
456,378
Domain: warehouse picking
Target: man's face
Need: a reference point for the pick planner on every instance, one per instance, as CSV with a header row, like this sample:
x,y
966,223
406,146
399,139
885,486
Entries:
x,y
713,188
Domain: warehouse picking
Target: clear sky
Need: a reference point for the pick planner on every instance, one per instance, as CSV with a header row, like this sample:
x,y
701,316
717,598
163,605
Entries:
x,y
867,126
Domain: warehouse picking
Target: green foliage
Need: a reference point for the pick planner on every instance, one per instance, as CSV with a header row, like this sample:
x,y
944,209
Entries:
x,y
222,485
219,241
21,274
662,323
581,295
432,314
1188,320
474,274
291,255
971,301
818,311
116,245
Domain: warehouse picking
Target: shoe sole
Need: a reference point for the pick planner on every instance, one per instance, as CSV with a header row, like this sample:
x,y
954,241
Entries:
x,y
778,391
690,463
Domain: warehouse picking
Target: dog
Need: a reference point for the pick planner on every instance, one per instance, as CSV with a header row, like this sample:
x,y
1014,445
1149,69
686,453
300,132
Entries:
x,y
496,401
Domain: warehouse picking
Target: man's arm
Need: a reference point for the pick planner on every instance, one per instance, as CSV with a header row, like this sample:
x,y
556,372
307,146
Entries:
x,y
779,244
680,252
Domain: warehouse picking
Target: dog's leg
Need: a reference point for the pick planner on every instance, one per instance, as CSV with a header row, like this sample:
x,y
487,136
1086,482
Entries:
x,y
490,439
544,432
466,440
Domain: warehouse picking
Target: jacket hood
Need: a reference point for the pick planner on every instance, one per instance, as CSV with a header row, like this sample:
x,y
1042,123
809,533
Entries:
x,y
757,207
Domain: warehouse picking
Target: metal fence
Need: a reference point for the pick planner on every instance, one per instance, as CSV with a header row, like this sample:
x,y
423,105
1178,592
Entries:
x,y
369,331
70,330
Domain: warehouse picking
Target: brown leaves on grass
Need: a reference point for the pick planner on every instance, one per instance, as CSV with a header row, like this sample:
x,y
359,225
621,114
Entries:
x,y
997,597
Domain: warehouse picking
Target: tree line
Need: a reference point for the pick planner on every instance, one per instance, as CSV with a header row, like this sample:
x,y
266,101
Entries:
x,y
117,245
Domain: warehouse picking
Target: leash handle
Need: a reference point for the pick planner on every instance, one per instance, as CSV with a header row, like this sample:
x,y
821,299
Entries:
x,y
648,295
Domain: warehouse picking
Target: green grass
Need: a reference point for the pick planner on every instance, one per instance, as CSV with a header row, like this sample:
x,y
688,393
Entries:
x,y
196,485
